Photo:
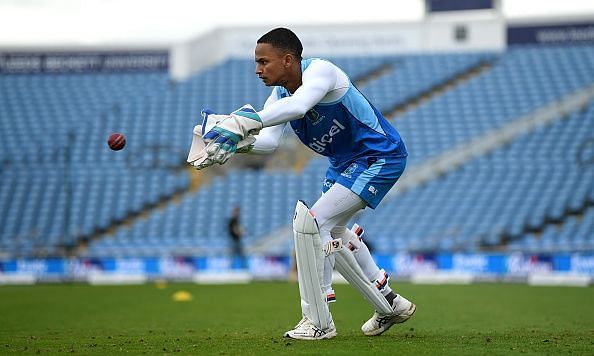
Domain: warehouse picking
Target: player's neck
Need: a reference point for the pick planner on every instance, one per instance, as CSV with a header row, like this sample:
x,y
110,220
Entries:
x,y
292,87
294,80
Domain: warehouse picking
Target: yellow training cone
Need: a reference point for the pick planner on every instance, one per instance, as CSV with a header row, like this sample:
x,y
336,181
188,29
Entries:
x,y
182,296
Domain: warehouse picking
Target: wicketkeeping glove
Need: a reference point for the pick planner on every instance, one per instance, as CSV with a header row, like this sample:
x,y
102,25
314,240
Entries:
x,y
224,139
220,143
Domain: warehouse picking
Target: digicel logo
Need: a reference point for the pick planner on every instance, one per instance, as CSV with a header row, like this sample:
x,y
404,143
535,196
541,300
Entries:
x,y
319,144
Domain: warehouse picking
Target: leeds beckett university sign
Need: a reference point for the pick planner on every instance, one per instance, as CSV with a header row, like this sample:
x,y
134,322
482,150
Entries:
x,y
84,62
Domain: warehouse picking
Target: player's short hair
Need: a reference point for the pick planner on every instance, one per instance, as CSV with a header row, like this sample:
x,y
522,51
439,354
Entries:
x,y
284,39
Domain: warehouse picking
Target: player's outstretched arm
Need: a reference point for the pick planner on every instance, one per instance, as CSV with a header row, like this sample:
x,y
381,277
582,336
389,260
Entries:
x,y
221,142
267,141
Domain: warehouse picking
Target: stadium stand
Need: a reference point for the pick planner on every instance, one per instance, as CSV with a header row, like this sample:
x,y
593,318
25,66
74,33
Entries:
x,y
70,115
521,80
41,212
498,198
108,188
53,192
414,75
203,88
169,118
573,234
47,106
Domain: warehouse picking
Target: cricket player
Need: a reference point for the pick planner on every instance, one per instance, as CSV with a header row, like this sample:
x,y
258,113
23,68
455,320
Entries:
x,y
366,156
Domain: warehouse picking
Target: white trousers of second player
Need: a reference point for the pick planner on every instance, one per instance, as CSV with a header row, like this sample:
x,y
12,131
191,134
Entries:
x,y
333,211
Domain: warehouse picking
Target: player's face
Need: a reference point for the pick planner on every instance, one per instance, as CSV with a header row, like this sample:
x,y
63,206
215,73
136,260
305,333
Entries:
x,y
271,65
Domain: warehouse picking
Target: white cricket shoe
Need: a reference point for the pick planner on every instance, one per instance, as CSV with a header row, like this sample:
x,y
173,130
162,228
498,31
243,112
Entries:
x,y
306,330
403,310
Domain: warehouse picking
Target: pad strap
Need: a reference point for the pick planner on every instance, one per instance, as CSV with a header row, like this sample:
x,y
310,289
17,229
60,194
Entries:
x,y
330,296
382,281
331,246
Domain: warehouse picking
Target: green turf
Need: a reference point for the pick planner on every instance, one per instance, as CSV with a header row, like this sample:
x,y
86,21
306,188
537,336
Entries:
x,y
250,319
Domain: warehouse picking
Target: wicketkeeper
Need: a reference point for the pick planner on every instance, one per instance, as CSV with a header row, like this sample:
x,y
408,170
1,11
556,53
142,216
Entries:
x,y
366,155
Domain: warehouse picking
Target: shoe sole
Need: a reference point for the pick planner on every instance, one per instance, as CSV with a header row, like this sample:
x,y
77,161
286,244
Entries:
x,y
410,312
328,335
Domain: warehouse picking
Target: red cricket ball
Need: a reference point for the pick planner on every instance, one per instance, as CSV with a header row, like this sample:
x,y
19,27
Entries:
x,y
116,141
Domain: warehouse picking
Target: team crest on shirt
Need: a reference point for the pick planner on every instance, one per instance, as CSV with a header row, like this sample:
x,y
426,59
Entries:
x,y
314,117
350,170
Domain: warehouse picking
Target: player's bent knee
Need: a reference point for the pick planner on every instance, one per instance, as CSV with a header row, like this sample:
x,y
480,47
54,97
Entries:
x,y
303,220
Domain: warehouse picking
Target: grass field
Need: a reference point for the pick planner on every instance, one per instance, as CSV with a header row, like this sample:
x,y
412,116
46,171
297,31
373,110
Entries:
x,y
250,319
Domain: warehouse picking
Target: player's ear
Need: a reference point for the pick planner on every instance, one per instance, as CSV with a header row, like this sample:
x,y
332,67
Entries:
x,y
288,60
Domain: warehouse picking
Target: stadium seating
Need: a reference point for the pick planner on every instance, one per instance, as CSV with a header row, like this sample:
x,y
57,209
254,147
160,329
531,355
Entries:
x,y
279,191
535,182
573,234
54,190
521,80
414,75
169,119
510,195
209,88
55,208
48,106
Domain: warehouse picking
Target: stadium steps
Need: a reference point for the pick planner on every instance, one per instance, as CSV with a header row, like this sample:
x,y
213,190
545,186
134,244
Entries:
x,y
481,145
430,93
374,74
196,180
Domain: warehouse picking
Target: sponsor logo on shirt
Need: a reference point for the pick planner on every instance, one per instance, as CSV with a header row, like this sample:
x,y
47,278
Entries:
x,y
314,117
350,170
319,144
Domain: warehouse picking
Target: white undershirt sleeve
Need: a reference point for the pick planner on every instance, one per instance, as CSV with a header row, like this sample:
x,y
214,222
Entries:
x,y
268,140
317,81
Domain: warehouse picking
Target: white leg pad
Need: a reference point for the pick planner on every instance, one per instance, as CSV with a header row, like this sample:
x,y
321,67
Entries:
x,y
347,266
310,267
